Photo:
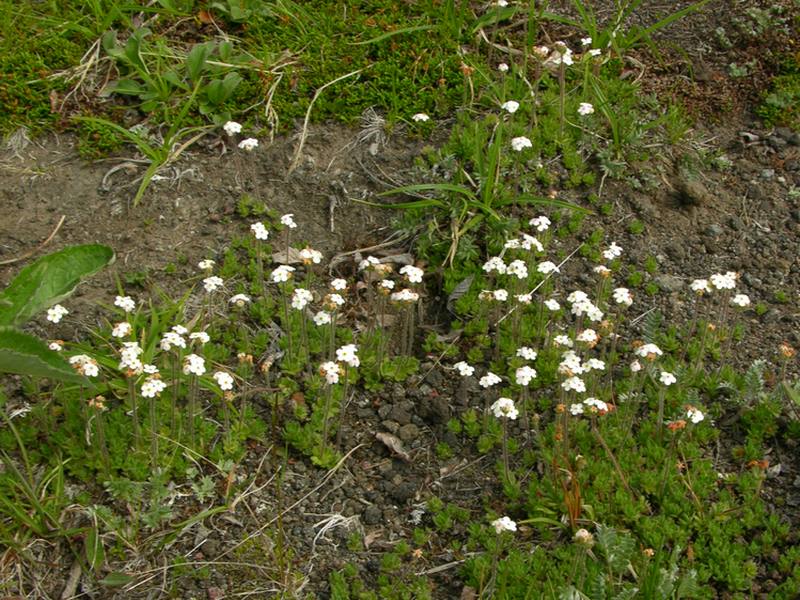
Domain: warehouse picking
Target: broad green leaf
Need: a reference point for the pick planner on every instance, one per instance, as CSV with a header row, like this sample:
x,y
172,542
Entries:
x,y
196,61
24,354
49,280
127,87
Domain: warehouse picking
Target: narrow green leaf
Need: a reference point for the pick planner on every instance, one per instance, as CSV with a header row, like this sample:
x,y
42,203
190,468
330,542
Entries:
x,y
49,280
95,553
115,579
24,354
390,34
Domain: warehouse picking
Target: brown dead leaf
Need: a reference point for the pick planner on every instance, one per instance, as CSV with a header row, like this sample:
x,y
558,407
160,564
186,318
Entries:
x,y
394,444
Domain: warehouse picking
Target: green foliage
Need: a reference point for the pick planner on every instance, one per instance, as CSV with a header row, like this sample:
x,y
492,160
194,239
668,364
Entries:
x,y
43,283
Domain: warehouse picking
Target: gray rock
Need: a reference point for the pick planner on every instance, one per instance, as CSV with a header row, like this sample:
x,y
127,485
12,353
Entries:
x,y
372,515
714,230
384,410
435,379
400,413
753,281
791,164
403,492
692,192
668,283
408,433
776,142
767,174
390,426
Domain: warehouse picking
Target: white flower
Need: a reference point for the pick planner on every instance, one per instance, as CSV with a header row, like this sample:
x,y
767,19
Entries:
x,y
420,118
562,340
602,270
322,318
546,267
152,387
334,300
200,336
404,295
504,524
587,336
85,365
518,268
648,351
368,263
667,378
232,128
224,380
700,286
501,3
309,256
552,304
331,371
282,274
520,143
524,298
180,329
287,220
489,380
504,408
528,241
595,52
464,369
577,296
56,345
56,313
612,252
248,144
524,375
338,284
576,409
570,364
386,284
259,231
500,295
741,300
596,405
502,67
239,300
126,303
582,307
206,265
510,106
594,364
587,41
300,298
413,274
585,108
150,369
495,264
171,340
561,54
347,354
694,415
725,281
541,51
526,353
622,296
636,366
541,223
121,330
129,357
212,284
194,365
574,383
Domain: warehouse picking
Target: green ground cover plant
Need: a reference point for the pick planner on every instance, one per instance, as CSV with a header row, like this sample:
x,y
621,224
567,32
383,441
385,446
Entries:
x,y
598,429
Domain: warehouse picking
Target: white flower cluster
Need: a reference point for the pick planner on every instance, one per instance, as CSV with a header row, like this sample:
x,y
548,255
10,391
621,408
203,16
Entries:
x,y
194,364
504,408
85,365
56,312
348,355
